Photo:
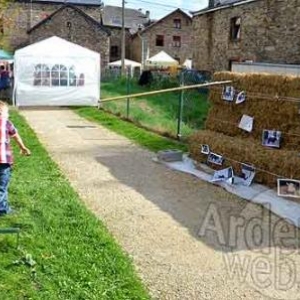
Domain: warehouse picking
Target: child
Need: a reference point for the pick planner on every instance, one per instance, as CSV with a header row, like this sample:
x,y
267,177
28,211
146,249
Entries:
x,y
7,131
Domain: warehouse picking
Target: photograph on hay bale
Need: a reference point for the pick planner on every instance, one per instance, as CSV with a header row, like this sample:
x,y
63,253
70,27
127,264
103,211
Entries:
x,y
224,175
288,188
271,138
228,93
215,159
205,149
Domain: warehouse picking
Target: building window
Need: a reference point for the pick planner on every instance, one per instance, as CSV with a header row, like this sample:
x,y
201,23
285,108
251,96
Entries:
x,y
69,25
1,26
177,23
114,51
160,40
235,29
176,41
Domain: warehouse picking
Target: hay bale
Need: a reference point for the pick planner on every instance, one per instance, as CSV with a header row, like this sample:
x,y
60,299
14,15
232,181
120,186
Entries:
x,y
281,162
271,113
266,103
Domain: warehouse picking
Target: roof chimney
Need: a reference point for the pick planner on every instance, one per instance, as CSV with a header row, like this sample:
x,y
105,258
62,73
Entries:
x,y
147,14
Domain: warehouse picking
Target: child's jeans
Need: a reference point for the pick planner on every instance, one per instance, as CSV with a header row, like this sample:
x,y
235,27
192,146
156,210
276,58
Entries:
x,y
5,170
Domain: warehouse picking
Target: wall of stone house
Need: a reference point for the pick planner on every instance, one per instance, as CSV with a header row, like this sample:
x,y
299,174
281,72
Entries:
x,y
116,40
136,48
269,33
22,16
82,32
166,28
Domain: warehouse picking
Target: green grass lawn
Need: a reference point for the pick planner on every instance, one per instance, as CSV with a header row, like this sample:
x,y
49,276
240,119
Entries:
x,y
158,112
65,252
143,137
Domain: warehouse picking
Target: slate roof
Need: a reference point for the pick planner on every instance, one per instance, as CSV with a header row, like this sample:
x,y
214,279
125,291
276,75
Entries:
x,y
75,2
222,4
165,17
99,25
112,16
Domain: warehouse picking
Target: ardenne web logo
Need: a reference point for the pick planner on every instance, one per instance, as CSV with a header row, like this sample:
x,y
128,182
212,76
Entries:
x,y
261,251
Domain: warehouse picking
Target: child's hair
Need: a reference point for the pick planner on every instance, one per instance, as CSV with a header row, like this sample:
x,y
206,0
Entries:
x,y
3,109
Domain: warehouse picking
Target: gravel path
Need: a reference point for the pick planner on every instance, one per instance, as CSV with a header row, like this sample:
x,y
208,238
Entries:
x,y
156,215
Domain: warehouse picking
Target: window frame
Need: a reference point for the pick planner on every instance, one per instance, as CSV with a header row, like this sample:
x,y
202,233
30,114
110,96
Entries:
x,y
177,21
162,40
235,30
176,41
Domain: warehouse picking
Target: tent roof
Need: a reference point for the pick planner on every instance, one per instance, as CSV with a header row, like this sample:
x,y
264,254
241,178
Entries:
x,y
128,62
162,57
5,55
55,47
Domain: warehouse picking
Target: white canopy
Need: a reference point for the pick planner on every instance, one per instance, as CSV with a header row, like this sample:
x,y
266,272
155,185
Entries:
x,y
55,72
162,59
127,62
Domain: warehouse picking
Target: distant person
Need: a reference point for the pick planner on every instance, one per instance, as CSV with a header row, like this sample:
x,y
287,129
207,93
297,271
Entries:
x,y
7,131
4,78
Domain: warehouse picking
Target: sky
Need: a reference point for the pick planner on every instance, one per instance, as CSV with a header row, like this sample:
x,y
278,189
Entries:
x,y
160,8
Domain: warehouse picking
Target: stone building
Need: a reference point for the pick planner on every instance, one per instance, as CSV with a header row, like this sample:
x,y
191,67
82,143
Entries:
x,y
74,25
133,20
171,34
84,22
246,30
22,15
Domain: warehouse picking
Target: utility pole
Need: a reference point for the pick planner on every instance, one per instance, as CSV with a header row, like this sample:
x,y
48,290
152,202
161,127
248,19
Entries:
x,y
123,38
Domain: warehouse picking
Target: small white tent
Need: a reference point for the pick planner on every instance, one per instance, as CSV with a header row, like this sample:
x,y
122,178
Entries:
x,y
128,64
55,72
161,59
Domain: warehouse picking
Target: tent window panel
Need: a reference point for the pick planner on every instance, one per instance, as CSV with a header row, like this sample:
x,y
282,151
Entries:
x,y
63,80
55,75
41,75
72,77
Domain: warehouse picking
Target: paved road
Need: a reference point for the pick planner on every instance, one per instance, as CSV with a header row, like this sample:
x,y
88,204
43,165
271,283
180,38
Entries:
x,y
188,239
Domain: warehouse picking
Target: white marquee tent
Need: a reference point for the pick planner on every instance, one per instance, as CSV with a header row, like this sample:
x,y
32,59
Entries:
x,y
161,59
55,72
128,64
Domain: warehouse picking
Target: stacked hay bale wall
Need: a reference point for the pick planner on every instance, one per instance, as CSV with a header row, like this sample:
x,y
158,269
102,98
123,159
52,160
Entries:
x,y
270,100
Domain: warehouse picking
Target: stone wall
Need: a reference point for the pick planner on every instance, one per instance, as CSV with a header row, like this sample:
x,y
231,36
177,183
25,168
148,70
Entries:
x,y
270,31
166,28
116,40
81,31
22,16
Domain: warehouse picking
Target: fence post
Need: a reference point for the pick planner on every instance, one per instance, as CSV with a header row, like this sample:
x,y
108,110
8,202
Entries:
x,y
128,92
180,108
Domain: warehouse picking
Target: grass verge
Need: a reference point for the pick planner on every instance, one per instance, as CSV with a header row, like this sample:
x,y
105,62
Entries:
x,y
65,252
142,137
158,112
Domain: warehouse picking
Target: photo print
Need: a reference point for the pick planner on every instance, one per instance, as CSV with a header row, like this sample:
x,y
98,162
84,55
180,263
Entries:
x,y
224,175
205,149
228,93
248,174
288,188
246,123
271,138
215,158
240,98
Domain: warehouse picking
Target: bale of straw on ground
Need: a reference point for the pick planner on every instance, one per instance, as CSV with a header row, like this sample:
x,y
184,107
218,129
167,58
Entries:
x,y
270,102
281,162
264,103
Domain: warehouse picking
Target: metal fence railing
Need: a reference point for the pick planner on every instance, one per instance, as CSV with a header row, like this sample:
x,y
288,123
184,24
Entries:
x,y
174,114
